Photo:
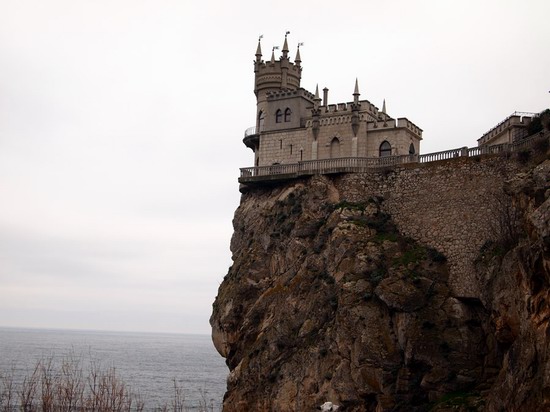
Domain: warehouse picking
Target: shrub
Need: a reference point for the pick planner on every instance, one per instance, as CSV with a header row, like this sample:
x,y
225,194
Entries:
x,y
69,386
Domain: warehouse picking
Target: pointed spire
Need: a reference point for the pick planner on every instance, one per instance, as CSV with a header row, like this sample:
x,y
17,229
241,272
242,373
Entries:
x,y
356,93
285,46
273,55
298,59
384,107
316,99
259,50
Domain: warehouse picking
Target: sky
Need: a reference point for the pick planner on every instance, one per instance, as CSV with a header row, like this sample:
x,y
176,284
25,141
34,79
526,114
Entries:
x,y
121,126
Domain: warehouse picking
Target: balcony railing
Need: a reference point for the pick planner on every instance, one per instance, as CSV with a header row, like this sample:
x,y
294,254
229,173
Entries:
x,y
325,166
250,131
363,164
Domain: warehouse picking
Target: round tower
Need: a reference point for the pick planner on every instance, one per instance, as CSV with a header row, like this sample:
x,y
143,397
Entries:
x,y
274,76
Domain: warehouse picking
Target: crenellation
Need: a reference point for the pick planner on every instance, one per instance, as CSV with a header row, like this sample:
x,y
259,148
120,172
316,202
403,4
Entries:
x,y
511,129
285,93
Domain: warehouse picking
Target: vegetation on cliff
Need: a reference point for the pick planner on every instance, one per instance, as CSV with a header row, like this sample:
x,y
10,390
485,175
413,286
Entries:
x,y
327,300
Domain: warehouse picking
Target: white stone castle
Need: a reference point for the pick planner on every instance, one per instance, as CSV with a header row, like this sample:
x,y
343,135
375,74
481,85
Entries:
x,y
294,125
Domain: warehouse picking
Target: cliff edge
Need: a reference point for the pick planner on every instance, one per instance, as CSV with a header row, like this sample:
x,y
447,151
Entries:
x,y
406,289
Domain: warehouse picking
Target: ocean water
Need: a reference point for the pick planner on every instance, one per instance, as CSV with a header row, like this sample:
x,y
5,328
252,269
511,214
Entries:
x,y
147,362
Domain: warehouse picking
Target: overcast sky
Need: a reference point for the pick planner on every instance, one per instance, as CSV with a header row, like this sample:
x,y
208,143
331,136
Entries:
x,y
121,126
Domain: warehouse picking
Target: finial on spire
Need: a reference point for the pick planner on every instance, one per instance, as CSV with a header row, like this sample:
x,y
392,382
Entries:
x,y
259,49
384,107
285,46
298,59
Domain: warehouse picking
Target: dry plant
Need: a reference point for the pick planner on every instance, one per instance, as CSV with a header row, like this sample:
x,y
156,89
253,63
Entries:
x,y
65,387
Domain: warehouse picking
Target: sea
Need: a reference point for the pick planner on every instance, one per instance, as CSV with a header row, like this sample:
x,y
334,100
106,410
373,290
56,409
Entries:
x,y
150,364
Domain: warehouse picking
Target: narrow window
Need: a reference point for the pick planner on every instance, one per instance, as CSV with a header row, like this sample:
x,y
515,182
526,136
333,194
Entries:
x,y
287,115
385,149
301,155
280,144
278,116
261,118
411,149
290,149
335,148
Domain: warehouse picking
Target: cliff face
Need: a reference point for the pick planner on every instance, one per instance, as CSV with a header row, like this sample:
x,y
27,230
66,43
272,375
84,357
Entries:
x,y
337,294
515,290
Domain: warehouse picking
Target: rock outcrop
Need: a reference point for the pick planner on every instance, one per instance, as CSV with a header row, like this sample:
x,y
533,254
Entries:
x,y
328,301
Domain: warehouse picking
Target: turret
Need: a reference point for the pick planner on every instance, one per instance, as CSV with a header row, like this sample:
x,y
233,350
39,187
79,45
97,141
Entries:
x,y
274,76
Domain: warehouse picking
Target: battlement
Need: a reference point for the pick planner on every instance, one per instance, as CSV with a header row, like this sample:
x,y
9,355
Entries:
x,y
286,93
517,121
364,105
401,122
275,66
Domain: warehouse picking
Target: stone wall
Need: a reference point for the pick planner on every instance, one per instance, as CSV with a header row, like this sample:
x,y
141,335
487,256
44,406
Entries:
x,y
275,145
400,139
448,205
275,148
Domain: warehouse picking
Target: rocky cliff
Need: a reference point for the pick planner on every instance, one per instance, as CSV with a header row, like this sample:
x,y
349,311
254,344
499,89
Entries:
x,y
352,289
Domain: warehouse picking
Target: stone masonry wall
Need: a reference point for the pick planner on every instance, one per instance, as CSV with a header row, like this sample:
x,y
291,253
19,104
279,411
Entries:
x,y
445,205
275,147
399,138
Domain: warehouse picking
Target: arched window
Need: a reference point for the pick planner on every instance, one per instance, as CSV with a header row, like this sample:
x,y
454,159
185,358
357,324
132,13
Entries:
x,y
261,119
335,148
278,116
411,149
287,115
385,149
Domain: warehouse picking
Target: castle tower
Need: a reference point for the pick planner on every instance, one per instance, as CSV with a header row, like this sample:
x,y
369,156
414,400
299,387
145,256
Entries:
x,y
274,76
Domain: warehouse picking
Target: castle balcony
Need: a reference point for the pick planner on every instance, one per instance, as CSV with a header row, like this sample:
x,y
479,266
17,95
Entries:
x,y
252,137
281,172
324,166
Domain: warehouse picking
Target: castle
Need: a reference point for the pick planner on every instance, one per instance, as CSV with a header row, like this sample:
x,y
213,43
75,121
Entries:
x,y
294,125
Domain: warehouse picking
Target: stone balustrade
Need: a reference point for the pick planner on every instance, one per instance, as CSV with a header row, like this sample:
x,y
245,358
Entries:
x,y
362,164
